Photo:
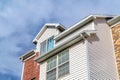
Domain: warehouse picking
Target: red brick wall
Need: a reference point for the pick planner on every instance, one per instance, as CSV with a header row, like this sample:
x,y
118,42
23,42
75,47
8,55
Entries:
x,y
31,69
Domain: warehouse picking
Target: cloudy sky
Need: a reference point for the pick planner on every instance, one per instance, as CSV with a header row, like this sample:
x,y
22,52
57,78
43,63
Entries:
x,y
21,20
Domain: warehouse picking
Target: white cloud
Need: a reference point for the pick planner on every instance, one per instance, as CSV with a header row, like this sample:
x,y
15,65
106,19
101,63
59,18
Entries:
x,y
21,19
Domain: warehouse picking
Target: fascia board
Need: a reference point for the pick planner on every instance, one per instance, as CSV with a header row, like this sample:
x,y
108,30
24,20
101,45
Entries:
x,y
114,20
26,55
58,48
74,27
64,45
57,25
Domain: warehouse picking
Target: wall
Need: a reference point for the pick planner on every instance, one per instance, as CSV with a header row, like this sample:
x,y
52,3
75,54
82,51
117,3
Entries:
x,y
31,69
78,64
101,54
88,26
47,34
116,40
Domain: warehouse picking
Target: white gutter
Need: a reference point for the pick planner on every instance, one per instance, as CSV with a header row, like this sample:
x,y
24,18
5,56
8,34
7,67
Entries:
x,y
27,55
64,45
79,24
74,27
114,20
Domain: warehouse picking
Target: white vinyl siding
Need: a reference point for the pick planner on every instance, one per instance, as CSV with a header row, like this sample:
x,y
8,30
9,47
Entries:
x,y
88,26
47,34
101,54
77,64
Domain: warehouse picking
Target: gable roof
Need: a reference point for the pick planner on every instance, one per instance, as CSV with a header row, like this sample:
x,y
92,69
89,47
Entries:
x,y
114,20
56,25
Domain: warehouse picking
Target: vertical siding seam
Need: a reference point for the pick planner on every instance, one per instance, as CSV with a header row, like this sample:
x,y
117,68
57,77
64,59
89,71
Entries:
x,y
87,62
114,53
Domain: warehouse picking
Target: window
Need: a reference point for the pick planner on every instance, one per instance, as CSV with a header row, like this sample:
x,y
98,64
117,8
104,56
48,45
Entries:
x,y
43,47
58,64
50,43
51,69
47,45
63,63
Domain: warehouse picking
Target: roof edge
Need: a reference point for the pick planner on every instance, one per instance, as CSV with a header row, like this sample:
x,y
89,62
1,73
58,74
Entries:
x,y
26,55
80,24
57,25
82,35
114,20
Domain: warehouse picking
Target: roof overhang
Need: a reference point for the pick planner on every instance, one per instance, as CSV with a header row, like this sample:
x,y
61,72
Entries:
x,y
55,25
64,45
114,20
27,55
80,24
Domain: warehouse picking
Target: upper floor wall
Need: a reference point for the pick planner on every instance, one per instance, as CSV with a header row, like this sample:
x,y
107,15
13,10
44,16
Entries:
x,y
80,29
45,38
49,32
102,64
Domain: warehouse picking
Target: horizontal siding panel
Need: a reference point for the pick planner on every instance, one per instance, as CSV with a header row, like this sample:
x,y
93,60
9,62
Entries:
x,y
88,26
78,63
100,51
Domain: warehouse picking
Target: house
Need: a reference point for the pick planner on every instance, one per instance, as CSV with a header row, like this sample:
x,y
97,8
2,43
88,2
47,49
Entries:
x,y
85,51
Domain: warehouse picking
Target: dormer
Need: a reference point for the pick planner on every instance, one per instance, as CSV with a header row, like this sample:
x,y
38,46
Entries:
x,y
45,38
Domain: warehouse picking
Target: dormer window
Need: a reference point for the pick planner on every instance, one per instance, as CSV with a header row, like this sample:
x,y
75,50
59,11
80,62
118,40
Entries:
x,y
47,45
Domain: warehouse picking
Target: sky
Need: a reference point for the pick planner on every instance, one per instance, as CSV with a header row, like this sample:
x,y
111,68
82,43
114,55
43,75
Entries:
x,y
21,20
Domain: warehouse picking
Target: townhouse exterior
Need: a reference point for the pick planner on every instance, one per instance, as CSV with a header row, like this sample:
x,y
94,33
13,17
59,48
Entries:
x,y
88,50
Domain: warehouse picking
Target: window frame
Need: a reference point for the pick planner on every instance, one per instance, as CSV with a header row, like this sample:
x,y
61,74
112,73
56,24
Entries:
x,y
54,68
59,65
41,46
46,41
63,63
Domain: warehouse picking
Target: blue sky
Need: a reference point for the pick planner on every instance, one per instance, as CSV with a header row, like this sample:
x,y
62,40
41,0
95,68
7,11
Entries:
x,y
21,20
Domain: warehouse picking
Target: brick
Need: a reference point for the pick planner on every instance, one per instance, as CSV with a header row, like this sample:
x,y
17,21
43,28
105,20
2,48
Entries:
x,y
31,69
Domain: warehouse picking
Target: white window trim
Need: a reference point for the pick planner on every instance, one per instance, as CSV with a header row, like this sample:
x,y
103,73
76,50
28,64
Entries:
x,y
58,65
46,50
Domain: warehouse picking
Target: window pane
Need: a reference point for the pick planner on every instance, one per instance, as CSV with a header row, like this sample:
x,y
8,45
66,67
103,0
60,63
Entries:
x,y
51,75
43,47
50,43
63,57
63,69
51,63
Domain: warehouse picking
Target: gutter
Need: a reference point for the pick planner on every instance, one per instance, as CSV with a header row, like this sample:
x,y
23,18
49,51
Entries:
x,y
74,27
27,55
80,24
113,21
64,45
